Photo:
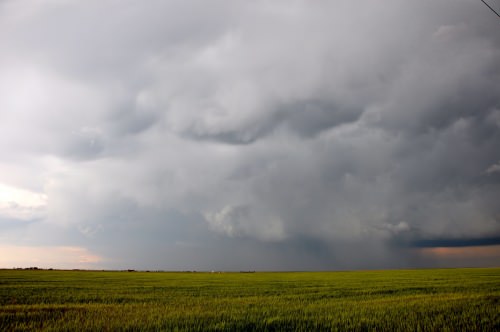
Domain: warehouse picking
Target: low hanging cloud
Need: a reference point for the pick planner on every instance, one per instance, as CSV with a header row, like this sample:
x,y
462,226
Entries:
x,y
236,221
241,135
495,168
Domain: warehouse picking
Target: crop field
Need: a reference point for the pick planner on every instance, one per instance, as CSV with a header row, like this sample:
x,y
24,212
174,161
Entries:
x,y
416,300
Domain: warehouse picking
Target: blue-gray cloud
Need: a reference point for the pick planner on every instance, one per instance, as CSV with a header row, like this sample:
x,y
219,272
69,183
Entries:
x,y
262,135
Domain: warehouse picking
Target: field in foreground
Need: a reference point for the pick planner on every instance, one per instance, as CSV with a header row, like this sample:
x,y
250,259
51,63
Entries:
x,y
448,299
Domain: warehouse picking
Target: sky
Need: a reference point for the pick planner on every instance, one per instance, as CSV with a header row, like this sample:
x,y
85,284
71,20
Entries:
x,y
249,135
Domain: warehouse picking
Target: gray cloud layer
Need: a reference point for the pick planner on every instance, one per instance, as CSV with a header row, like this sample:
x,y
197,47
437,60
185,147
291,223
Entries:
x,y
251,135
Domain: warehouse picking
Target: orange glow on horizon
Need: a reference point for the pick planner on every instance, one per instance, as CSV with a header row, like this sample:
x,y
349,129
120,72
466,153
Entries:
x,y
47,256
463,252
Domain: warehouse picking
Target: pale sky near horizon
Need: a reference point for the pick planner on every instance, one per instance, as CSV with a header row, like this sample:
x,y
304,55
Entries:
x,y
249,135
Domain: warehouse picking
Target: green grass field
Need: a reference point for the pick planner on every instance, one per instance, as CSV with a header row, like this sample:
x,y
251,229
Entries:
x,y
416,300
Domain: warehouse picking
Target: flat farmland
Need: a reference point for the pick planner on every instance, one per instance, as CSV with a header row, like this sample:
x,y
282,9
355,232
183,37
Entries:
x,y
416,300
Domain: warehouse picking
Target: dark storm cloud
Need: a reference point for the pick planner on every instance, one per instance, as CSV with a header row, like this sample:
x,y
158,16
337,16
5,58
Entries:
x,y
313,117
251,135
126,120
306,118
85,144
464,242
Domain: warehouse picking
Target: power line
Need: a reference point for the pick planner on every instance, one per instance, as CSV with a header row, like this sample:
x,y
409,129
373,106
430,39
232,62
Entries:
x,y
490,8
